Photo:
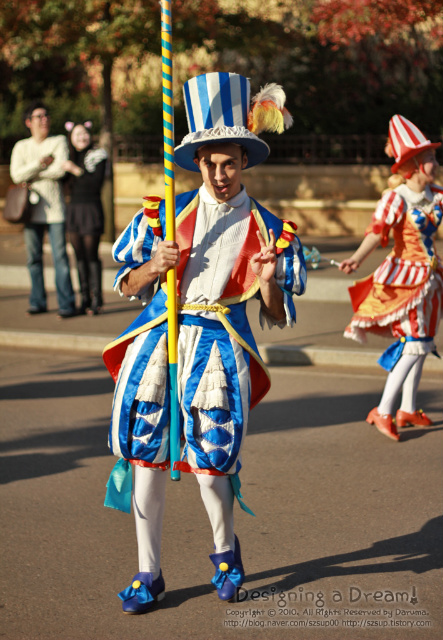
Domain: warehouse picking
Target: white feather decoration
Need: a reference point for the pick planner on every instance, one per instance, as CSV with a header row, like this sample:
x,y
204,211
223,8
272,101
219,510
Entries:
x,y
273,92
268,112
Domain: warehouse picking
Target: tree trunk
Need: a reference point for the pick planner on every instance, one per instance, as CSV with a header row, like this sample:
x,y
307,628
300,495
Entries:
x,y
106,140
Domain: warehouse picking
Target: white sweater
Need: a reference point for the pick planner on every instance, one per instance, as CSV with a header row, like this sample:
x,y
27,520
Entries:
x,y
48,204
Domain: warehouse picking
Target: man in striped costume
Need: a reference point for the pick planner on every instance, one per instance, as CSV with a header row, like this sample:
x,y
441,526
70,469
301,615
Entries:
x,y
403,298
229,248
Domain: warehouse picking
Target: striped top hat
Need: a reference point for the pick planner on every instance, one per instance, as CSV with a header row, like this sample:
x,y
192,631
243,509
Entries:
x,y
218,110
406,141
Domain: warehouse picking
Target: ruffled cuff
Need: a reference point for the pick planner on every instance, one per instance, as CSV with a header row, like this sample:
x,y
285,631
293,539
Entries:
x,y
290,315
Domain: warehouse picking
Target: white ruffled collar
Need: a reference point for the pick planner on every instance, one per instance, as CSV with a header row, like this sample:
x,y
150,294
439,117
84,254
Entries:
x,y
237,201
413,197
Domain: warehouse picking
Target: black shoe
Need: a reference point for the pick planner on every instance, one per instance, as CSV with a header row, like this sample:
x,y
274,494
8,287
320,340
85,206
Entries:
x,y
95,307
62,314
33,311
84,307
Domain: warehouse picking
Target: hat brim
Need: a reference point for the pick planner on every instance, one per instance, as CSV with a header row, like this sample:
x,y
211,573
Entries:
x,y
412,153
257,150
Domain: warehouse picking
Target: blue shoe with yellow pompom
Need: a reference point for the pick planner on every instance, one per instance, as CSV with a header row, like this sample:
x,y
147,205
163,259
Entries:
x,y
142,593
230,573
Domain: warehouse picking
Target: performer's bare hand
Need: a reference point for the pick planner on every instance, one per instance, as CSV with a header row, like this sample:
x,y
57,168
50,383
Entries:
x,y
349,265
264,262
167,256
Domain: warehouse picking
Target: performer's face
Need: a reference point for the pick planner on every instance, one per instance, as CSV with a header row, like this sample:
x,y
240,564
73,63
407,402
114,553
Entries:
x,y
428,165
221,166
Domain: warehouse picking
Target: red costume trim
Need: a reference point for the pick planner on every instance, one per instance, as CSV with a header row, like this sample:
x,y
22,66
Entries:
x,y
242,276
151,211
186,468
164,466
286,237
184,235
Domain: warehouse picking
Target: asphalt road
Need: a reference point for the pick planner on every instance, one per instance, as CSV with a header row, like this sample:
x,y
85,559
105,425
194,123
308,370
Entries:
x,y
347,542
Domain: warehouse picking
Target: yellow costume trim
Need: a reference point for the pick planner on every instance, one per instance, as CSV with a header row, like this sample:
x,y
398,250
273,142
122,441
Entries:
x,y
154,222
288,227
282,244
151,204
186,211
217,308
230,329
136,332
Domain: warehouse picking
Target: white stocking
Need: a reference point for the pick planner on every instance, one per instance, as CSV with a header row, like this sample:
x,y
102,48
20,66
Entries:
x,y
410,386
395,382
149,506
218,498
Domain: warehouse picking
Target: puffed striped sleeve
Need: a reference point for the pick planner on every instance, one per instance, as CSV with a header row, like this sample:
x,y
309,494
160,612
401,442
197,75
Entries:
x,y
290,274
138,243
389,212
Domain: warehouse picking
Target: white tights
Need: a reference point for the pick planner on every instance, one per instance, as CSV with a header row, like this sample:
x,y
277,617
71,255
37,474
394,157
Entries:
x,y
149,506
407,373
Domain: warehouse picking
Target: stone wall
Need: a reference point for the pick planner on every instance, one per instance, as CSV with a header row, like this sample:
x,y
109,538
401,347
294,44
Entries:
x,y
322,200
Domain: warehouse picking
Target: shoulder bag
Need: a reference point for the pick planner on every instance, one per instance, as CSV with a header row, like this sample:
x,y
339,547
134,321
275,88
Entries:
x,y
16,209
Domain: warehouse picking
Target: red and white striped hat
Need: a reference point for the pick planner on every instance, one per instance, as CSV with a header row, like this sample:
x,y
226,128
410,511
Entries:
x,y
406,141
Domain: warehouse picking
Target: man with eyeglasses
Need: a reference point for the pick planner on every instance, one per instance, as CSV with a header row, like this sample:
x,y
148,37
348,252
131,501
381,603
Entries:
x,y
38,160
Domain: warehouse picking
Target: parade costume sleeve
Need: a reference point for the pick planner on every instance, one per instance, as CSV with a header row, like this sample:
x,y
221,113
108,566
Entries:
x,y
138,243
291,273
389,212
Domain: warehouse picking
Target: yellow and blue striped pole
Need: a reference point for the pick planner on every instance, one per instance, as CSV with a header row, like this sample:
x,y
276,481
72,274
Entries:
x,y
168,144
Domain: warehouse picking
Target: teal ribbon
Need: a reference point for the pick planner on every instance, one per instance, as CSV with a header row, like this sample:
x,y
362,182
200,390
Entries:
x,y
142,593
235,576
236,484
119,487
393,353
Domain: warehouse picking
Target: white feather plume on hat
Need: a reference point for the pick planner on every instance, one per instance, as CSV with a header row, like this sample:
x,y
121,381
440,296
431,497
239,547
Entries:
x,y
268,112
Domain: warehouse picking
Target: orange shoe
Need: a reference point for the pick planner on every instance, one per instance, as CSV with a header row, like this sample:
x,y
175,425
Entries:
x,y
383,423
418,419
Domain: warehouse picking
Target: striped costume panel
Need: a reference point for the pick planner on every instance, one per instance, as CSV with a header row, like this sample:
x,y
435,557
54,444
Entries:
x,y
136,245
399,273
291,274
216,100
390,210
291,277
422,320
139,419
214,394
403,133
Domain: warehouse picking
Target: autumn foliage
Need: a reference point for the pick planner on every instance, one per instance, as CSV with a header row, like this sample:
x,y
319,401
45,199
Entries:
x,y
346,65
342,22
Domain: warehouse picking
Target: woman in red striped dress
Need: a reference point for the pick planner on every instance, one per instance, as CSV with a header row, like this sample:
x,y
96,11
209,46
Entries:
x,y
403,297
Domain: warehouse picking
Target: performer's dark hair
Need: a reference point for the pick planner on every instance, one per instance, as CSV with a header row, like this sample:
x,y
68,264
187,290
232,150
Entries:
x,y
37,104
244,151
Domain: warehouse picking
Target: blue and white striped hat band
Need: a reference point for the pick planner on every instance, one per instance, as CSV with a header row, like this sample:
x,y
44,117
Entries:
x,y
217,107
